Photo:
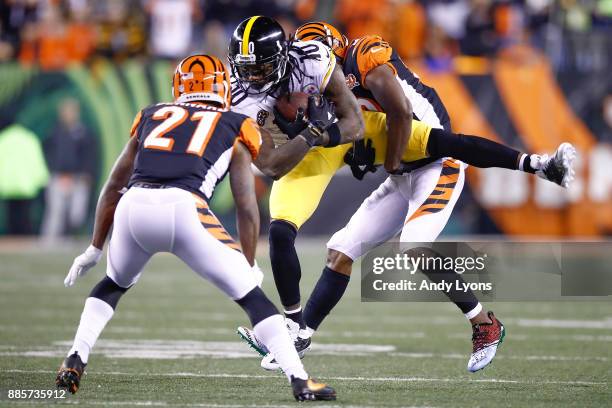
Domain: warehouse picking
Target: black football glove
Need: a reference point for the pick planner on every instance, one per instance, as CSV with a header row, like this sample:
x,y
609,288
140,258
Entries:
x,y
291,128
319,116
321,113
361,158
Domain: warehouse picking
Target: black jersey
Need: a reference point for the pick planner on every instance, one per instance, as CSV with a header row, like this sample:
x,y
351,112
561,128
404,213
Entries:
x,y
369,52
189,145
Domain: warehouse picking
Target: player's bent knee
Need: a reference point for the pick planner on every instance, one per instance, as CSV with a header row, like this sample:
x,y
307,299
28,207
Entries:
x,y
282,233
108,291
257,306
339,262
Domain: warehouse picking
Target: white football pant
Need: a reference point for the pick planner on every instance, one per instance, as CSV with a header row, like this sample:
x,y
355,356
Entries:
x,y
172,220
417,205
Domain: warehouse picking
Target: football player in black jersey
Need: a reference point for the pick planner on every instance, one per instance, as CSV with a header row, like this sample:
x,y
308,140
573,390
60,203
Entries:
x,y
176,155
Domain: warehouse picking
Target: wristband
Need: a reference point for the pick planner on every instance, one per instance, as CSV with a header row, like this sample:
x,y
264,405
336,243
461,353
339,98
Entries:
x,y
334,135
307,139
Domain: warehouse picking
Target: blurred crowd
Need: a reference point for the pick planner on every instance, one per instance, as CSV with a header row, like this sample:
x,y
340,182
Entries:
x,y
576,35
54,33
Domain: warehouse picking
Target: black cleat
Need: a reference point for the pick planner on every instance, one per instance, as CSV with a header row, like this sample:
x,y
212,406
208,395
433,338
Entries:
x,y
311,390
69,374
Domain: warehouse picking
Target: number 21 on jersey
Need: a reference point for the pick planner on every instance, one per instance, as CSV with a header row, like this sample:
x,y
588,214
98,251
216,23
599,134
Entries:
x,y
174,116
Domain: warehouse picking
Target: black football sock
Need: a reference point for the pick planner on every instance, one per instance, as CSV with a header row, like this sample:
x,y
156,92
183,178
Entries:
x,y
257,306
285,262
297,316
466,301
474,150
108,291
325,296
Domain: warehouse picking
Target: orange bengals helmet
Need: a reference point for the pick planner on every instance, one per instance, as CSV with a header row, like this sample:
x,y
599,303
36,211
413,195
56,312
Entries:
x,y
201,78
325,33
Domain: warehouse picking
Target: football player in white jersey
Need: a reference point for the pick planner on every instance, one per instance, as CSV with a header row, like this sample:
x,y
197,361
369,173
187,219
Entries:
x,y
265,66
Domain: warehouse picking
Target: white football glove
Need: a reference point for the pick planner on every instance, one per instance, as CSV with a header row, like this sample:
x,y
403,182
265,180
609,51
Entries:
x,y
82,264
257,274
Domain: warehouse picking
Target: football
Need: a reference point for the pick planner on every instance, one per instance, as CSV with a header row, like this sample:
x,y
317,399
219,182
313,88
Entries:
x,y
288,104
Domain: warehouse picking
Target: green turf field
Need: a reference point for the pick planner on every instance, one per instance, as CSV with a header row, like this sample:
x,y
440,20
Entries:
x,y
172,343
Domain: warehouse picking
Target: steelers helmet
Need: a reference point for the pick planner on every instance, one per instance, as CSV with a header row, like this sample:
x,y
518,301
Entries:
x,y
325,33
201,78
258,54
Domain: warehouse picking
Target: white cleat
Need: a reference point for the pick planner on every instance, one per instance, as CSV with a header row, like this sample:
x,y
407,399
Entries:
x,y
249,337
558,168
301,341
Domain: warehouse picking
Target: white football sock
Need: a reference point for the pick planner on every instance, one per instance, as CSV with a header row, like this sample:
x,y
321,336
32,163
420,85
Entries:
x,y
273,333
474,312
96,314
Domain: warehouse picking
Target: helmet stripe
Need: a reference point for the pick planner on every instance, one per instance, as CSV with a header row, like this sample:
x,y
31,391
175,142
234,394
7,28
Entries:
x,y
247,33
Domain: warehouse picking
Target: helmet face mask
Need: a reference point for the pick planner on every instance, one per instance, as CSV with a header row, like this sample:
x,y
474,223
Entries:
x,y
258,54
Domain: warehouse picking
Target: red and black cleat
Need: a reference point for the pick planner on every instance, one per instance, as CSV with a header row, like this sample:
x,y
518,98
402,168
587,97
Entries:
x,y
69,374
486,338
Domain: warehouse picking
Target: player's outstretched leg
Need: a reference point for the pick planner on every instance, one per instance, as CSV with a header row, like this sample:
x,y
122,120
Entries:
x,y
98,310
484,153
270,330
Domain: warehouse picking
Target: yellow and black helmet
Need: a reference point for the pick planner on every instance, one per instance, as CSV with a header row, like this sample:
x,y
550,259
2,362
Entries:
x,y
258,53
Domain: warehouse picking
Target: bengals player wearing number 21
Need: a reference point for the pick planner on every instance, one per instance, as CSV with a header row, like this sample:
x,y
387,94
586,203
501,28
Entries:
x,y
177,153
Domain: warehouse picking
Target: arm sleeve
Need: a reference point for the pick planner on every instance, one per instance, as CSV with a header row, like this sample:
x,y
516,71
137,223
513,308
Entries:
x,y
371,52
250,136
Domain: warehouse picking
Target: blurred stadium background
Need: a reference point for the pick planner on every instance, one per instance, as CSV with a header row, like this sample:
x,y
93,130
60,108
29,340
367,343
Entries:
x,y
73,74
530,73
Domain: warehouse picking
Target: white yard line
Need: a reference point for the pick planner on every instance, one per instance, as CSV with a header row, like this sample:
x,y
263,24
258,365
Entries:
x,y
563,324
365,379
498,357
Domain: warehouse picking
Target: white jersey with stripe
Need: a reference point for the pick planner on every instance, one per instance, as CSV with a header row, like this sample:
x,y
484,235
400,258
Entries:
x,y
308,70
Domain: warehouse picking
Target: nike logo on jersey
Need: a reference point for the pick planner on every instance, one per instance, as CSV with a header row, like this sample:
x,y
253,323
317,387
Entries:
x,y
376,49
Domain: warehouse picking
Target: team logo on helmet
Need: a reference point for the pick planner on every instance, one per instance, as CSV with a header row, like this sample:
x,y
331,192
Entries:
x,y
201,78
258,54
325,33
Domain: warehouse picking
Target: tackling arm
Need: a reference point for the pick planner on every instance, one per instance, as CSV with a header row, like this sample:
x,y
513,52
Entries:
x,y
381,82
110,195
350,121
243,189
275,162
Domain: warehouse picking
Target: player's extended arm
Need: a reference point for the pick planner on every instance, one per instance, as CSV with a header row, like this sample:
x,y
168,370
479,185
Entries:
x,y
243,189
105,211
109,197
350,121
275,162
388,93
